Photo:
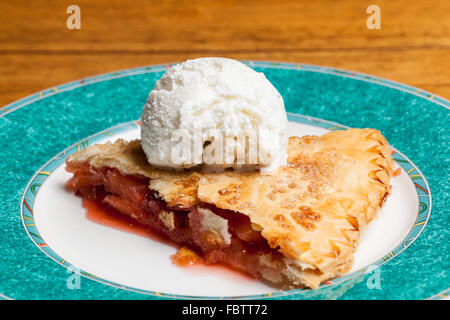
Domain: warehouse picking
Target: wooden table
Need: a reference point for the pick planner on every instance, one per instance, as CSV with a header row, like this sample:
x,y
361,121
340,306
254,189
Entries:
x,y
38,51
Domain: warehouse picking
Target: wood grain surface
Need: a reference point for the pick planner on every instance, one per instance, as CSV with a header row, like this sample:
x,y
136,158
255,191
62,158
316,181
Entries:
x,y
38,51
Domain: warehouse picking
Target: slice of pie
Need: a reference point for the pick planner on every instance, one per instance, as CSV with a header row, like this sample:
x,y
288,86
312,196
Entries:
x,y
296,228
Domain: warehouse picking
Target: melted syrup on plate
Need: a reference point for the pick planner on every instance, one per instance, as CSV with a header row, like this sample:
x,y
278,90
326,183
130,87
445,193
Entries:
x,y
102,214
185,258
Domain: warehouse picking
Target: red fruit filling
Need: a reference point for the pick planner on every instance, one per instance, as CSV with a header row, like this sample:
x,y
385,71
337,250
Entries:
x,y
237,245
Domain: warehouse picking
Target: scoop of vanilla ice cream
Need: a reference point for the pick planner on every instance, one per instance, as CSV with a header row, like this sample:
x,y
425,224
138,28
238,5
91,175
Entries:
x,y
215,112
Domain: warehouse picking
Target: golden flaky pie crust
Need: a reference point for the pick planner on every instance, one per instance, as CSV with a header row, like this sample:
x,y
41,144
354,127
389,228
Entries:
x,y
313,209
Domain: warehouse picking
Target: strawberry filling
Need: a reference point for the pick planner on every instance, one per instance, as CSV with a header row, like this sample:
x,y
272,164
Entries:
x,y
220,236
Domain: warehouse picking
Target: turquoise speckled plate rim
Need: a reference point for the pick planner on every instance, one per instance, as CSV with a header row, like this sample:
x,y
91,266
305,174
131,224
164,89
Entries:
x,y
275,65
32,189
282,65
